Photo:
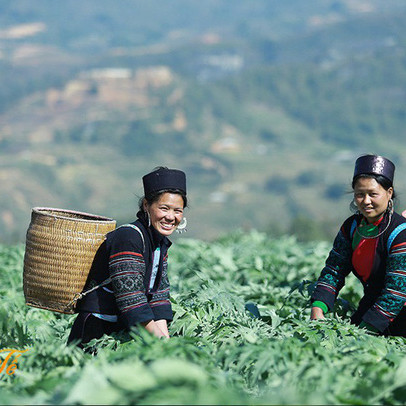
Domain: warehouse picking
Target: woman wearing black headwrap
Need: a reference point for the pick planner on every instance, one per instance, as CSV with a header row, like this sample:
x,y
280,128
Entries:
x,y
372,245
128,284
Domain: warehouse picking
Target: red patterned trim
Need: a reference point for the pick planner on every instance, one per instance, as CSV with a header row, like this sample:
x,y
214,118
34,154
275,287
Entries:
x,y
126,253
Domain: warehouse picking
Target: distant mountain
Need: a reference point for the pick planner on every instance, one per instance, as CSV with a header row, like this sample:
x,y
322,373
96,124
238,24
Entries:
x,y
264,104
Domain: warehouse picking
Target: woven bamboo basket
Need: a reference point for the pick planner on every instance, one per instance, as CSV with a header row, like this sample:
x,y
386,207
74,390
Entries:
x,y
60,248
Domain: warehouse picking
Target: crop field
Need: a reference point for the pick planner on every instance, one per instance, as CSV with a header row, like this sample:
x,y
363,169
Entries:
x,y
241,335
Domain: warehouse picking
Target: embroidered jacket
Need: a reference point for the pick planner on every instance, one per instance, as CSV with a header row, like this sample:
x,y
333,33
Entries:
x,y
128,259
382,305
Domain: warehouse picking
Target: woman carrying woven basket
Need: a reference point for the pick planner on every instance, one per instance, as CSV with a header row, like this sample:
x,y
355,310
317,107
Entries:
x,y
128,284
372,245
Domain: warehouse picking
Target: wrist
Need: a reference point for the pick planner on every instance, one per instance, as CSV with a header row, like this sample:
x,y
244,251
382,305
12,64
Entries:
x,y
320,305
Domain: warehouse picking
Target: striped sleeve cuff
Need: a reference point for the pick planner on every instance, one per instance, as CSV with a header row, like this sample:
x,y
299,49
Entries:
x,y
162,311
141,314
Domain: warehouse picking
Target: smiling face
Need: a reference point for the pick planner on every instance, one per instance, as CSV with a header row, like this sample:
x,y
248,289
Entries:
x,y
166,213
371,198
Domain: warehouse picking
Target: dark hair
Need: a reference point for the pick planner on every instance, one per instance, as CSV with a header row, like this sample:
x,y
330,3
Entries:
x,y
382,180
154,197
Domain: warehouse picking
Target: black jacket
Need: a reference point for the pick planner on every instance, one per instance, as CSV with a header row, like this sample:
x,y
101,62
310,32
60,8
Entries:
x,y
127,259
382,304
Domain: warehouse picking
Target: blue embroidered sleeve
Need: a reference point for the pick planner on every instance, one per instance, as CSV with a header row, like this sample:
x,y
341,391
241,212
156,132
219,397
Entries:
x,y
393,296
337,267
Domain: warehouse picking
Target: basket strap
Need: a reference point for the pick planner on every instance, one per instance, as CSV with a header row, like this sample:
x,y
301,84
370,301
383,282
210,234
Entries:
x,y
108,280
137,229
83,294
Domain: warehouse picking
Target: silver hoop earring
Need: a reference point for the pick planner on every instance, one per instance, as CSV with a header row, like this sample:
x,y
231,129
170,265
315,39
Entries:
x,y
182,226
353,207
390,206
148,219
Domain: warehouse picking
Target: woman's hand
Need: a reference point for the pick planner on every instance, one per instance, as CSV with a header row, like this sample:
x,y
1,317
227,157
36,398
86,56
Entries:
x,y
163,326
317,314
154,328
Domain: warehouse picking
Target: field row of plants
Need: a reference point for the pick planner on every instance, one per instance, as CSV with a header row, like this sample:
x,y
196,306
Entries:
x,y
241,335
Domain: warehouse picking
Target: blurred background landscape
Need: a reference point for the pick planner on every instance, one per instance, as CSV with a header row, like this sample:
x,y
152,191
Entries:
x,y
265,104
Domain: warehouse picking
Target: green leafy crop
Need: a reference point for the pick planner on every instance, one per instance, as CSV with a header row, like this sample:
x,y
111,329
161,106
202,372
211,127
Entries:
x,y
241,335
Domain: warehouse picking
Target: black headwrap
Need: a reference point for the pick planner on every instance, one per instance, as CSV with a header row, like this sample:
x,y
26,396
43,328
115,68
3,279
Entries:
x,y
374,165
164,179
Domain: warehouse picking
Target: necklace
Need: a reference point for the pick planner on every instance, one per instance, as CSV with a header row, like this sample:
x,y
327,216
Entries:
x,y
378,235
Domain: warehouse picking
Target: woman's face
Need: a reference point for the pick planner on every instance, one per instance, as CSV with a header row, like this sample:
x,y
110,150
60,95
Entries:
x,y
371,198
166,213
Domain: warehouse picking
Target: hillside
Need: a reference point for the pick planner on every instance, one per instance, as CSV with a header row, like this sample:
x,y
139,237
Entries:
x,y
266,112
